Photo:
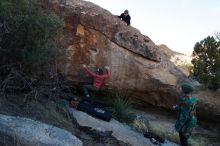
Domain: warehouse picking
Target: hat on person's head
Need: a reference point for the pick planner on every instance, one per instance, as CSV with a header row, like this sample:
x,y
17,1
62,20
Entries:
x,y
126,11
187,88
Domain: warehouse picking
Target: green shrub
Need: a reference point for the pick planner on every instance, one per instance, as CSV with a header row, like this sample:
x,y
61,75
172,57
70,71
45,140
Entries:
x,y
201,141
27,33
140,123
162,131
207,62
121,109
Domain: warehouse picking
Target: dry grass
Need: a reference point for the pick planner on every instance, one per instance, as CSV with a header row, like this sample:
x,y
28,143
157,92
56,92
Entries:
x,y
160,130
55,113
194,140
9,139
47,111
140,124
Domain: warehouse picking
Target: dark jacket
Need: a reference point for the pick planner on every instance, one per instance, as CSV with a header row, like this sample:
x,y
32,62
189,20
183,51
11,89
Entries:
x,y
126,19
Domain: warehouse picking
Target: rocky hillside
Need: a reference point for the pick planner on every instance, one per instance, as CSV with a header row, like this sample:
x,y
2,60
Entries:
x,y
181,60
93,36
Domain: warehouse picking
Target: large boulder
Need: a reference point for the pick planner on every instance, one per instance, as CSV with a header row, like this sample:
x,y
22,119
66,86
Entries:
x,y
140,69
27,132
183,61
208,106
95,37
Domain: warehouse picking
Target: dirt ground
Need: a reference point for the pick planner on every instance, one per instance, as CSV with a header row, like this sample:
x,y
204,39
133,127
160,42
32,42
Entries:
x,y
53,113
162,123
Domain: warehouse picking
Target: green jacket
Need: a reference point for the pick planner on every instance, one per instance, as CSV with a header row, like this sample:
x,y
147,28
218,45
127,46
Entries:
x,y
186,119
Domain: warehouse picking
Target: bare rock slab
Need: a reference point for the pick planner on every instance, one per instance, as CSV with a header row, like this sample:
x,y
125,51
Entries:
x,y
119,130
34,133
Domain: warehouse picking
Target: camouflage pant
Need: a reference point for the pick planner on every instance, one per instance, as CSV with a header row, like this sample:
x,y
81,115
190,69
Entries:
x,y
91,88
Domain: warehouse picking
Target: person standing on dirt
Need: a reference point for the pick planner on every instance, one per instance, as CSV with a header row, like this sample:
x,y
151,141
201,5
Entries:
x,y
186,119
98,79
125,17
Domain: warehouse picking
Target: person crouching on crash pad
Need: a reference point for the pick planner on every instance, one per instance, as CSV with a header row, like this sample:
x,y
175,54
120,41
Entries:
x,y
186,120
98,79
74,102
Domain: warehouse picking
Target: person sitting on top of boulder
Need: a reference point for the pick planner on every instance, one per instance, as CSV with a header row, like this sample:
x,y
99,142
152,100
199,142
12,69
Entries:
x,y
98,79
125,17
186,120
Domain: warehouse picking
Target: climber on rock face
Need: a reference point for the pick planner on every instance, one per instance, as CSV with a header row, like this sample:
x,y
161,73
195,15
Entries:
x,y
98,79
125,17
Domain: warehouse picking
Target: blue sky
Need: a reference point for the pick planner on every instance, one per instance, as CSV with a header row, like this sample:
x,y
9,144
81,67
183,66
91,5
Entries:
x,y
177,23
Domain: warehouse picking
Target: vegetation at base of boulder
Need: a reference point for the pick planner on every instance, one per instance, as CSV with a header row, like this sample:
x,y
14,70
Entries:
x,y
140,123
58,114
194,140
27,33
206,62
8,140
122,108
50,112
44,110
28,46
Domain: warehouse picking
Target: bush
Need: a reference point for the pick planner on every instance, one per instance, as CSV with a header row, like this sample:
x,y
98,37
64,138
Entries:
x,y
27,33
121,109
188,67
141,123
28,44
206,62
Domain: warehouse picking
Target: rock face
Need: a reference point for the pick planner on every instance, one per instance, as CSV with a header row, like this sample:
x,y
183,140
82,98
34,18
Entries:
x,y
181,60
23,131
208,106
140,69
95,37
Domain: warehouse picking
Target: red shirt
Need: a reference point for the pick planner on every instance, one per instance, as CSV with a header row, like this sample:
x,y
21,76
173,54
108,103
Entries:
x,y
98,79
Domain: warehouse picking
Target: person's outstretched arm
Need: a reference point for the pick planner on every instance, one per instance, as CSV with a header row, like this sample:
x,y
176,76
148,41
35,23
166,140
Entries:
x,y
108,72
121,16
88,71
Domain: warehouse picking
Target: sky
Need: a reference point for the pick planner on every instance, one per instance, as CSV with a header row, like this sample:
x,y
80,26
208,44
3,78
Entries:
x,y
179,24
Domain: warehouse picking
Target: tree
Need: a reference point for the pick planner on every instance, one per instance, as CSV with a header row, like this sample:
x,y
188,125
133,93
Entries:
x,y
28,43
27,33
206,62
